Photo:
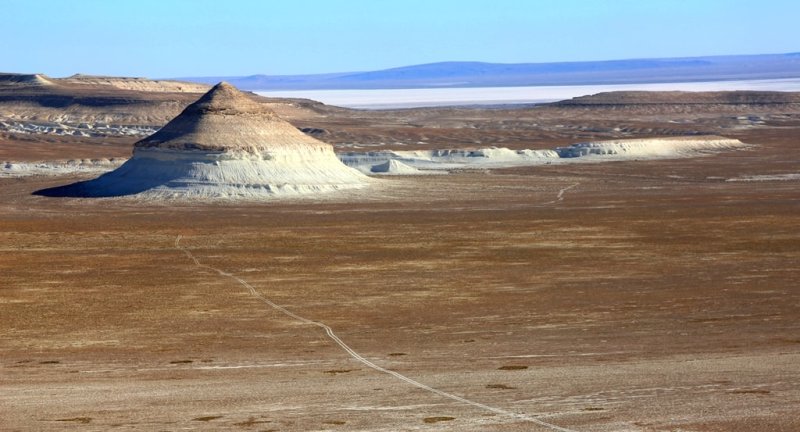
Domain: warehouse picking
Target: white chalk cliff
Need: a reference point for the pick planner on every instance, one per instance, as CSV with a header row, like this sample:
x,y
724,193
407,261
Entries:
x,y
225,145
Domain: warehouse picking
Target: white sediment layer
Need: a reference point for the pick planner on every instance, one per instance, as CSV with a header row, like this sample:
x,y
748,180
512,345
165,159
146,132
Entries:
x,y
596,151
317,168
155,172
396,167
73,129
56,168
650,147
766,177
483,156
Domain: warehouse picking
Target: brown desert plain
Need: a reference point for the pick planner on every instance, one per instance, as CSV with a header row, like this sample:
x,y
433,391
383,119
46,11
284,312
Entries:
x,y
648,295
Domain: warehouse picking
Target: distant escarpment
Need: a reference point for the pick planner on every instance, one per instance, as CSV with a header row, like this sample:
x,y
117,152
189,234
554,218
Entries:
x,y
84,105
684,98
138,84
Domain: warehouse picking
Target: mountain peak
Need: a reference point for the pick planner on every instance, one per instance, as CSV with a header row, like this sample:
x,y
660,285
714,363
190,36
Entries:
x,y
226,119
224,99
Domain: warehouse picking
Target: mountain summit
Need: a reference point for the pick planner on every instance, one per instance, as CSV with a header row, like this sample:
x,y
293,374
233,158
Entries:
x,y
226,119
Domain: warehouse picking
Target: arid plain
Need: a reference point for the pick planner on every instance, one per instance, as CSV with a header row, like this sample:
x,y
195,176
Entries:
x,y
648,295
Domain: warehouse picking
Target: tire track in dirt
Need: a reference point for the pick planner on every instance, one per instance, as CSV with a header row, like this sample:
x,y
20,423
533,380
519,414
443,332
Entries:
x,y
358,357
560,196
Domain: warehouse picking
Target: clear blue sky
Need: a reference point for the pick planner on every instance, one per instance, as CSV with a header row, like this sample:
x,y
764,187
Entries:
x,y
172,38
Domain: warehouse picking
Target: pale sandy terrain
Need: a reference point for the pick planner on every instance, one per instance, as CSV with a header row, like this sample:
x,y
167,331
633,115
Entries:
x,y
620,296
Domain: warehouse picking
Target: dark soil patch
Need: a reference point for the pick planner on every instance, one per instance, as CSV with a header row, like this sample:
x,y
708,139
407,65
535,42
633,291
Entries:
x,y
437,419
251,422
499,387
750,391
206,418
338,371
82,420
512,367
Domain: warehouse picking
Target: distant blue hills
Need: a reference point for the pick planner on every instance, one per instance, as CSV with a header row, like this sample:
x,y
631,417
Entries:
x,y
456,74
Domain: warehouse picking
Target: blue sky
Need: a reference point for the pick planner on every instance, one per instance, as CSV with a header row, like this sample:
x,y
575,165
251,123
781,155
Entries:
x,y
172,38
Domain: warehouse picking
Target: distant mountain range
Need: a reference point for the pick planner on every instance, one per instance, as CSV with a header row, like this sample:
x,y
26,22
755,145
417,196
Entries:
x,y
478,74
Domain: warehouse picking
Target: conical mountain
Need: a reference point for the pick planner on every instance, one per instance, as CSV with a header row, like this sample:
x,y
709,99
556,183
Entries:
x,y
225,119
224,145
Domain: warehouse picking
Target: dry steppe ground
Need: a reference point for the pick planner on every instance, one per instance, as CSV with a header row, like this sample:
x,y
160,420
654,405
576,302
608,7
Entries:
x,y
622,296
